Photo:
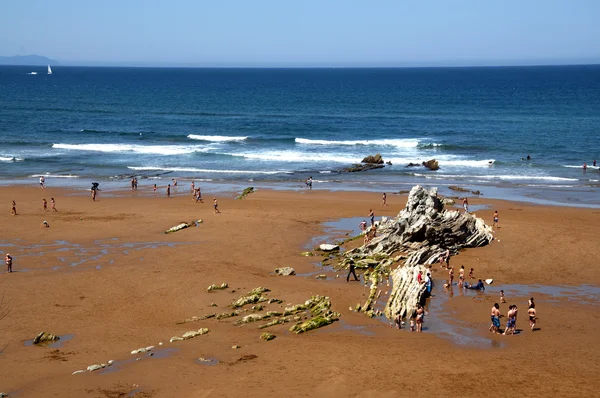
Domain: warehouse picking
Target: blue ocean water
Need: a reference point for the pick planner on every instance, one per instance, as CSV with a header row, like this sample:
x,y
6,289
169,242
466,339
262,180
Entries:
x,y
275,125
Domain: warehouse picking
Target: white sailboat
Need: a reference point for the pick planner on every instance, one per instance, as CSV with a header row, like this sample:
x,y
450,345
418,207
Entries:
x,y
49,70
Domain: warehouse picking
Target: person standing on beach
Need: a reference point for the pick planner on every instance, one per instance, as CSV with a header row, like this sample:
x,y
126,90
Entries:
x,y
8,261
352,271
428,284
471,273
372,216
445,258
169,191
193,188
53,204
45,204
466,204
132,183
495,224
14,208
461,276
531,313
384,200
502,298
174,185
94,193
216,205
495,326
42,182
154,188
451,275
420,318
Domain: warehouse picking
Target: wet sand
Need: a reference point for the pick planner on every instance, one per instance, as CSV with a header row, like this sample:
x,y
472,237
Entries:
x,y
106,273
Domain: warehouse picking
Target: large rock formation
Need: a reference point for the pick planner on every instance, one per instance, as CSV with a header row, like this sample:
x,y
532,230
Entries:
x,y
432,164
373,159
419,235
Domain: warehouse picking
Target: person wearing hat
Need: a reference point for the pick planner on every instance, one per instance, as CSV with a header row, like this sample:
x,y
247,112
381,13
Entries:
x,y
8,261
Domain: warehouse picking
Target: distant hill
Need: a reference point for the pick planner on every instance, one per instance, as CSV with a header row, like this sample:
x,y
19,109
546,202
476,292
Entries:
x,y
33,60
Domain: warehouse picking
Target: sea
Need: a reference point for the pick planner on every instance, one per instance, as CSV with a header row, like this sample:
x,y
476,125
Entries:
x,y
276,127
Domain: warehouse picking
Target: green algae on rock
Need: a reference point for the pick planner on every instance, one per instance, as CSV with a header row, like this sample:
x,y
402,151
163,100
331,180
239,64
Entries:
x,y
245,193
267,336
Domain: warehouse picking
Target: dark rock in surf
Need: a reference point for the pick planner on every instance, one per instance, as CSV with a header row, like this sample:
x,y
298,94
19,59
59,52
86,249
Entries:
x,y
373,159
432,164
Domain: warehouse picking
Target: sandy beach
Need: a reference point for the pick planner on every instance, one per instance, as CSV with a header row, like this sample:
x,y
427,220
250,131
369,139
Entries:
x,y
107,279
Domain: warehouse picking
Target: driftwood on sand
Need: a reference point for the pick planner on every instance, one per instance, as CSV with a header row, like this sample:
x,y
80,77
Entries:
x,y
418,236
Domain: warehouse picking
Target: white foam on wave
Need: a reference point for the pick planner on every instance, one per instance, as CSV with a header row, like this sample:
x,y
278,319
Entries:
x,y
495,177
143,149
195,170
215,138
10,159
581,167
401,143
297,156
53,176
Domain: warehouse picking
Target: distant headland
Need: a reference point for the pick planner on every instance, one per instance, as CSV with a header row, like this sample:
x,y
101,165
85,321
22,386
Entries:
x,y
27,60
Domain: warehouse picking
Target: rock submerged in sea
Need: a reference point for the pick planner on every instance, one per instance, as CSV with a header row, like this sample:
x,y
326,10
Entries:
x,y
432,164
362,167
373,159
44,337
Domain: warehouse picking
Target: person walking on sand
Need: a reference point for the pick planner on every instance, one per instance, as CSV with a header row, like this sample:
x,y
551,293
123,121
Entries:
x,y
45,204
531,313
495,224
42,182
14,208
53,204
199,195
384,200
154,189
461,276
352,271
169,191
8,261
216,205
94,193
372,216
192,188
466,204
451,275
495,326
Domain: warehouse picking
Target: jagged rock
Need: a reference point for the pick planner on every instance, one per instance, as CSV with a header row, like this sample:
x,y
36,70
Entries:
x,y
267,336
448,201
175,338
389,163
373,159
253,297
311,324
92,368
458,189
328,247
245,193
217,287
285,271
411,164
422,231
44,337
362,167
432,164
193,333
476,192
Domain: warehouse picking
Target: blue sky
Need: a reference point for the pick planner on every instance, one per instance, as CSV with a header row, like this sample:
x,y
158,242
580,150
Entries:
x,y
303,32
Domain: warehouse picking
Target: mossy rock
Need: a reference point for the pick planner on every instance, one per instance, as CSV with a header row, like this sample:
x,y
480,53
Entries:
x,y
311,324
267,336
246,192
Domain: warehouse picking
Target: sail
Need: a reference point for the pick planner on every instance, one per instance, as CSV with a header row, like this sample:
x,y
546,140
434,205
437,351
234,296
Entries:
x,y
49,70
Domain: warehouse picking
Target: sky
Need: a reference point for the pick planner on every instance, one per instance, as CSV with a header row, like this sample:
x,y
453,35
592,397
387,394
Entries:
x,y
303,32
